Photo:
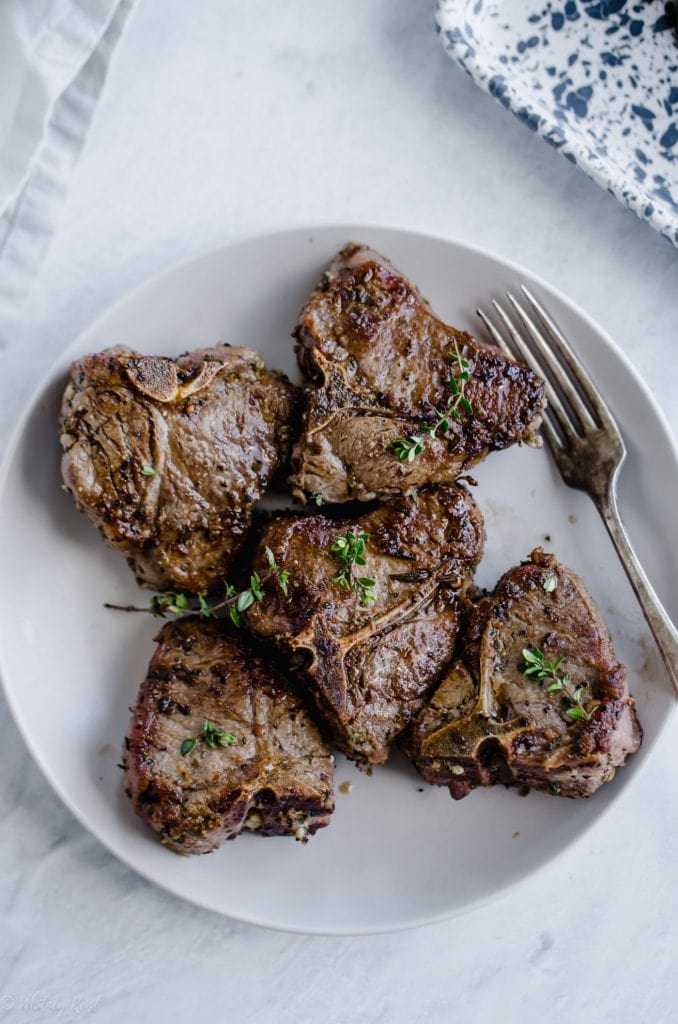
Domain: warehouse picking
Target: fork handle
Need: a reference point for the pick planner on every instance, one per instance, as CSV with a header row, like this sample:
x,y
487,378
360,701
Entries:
x,y
663,630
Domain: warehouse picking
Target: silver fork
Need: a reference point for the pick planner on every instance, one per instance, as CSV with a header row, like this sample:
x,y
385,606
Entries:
x,y
585,440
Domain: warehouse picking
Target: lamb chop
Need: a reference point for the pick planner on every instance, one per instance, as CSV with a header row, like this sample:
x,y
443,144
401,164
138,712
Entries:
x,y
219,742
535,698
168,457
372,613
386,372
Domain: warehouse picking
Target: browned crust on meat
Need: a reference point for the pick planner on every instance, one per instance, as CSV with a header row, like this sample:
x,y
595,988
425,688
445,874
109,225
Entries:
x,y
276,778
369,668
213,426
488,722
379,360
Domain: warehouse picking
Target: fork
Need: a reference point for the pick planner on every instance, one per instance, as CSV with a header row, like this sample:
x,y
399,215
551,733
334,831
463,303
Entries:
x,y
585,440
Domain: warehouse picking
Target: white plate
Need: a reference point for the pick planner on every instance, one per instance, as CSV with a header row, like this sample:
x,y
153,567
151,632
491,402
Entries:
x,y
398,852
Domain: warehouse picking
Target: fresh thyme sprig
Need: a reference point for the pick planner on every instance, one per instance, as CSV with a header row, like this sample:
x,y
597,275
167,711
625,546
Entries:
x,y
159,604
236,601
457,386
350,551
536,666
408,448
240,602
282,574
212,736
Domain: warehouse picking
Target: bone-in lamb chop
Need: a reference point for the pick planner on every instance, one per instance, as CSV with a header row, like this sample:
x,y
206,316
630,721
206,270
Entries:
x,y
168,457
219,742
385,369
373,609
536,696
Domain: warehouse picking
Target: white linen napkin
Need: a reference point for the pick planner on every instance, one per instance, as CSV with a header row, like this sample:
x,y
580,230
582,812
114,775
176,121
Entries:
x,y
54,58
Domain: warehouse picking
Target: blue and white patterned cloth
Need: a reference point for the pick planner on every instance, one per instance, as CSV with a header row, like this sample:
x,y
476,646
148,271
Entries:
x,y
598,79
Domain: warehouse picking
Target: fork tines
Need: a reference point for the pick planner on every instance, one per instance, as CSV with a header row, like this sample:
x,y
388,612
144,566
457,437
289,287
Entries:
x,y
575,409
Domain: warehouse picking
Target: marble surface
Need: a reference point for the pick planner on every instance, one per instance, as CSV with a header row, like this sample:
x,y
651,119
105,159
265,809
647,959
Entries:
x,y
223,119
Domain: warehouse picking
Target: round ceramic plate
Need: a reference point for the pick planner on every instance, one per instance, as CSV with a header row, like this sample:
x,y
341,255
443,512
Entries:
x,y
398,852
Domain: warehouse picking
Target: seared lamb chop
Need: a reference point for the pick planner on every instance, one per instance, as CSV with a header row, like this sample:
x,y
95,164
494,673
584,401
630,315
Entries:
x,y
373,646
536,698
382,364
219,742
168,457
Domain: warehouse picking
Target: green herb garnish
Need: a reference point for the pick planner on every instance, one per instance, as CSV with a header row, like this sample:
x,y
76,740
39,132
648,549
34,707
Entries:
x,y
536,666
236,601
147,470
215,737
212,736
350,551
240,602
550,584
408,448
177,604
457,386
282,574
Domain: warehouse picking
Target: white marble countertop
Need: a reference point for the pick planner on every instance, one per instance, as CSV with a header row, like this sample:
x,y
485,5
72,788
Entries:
x,y
223,119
